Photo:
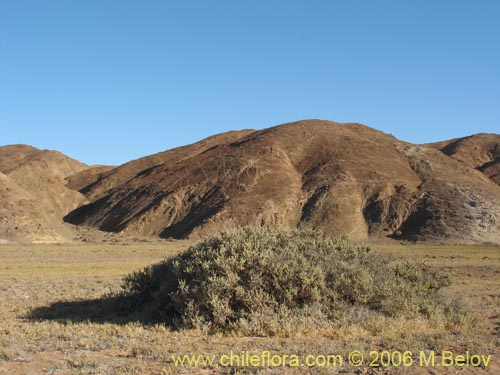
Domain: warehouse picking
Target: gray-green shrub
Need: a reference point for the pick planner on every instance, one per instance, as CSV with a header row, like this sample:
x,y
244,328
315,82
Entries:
x,y
262,280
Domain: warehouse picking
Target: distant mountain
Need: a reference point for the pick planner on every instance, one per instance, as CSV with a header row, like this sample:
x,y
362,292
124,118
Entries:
x,y
340,178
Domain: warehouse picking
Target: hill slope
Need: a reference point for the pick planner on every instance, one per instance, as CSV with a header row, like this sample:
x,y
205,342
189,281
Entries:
x,y
111,178
340,178
33,195
480,151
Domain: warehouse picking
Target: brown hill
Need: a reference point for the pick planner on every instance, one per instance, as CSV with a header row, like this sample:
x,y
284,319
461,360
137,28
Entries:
x,y
480,151
112,178
33,195
80,180
24,219
340,178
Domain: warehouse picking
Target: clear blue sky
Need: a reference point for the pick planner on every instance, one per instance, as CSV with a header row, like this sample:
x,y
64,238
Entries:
x,y
109,81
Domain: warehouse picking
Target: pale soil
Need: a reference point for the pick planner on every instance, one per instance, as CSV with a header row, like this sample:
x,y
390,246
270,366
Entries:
x,y
76,338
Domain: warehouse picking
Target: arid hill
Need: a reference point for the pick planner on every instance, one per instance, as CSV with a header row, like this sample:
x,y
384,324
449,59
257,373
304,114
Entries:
x,y
39,187
87,177
111,178
480,151
340,178
33,195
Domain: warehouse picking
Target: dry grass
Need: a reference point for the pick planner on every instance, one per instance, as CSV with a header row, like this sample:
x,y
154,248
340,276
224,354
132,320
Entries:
x,y
65,342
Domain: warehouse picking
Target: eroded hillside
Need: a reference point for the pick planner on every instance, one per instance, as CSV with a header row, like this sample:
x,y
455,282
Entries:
x,y
340,178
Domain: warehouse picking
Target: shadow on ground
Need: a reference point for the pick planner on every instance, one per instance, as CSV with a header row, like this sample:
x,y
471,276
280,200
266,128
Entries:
x,y
103,310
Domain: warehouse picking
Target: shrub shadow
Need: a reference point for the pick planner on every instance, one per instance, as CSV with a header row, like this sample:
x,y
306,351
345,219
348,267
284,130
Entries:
x,y
108,309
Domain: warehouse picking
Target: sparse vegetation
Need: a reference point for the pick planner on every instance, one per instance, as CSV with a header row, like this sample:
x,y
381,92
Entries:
x,y
255,281
48,315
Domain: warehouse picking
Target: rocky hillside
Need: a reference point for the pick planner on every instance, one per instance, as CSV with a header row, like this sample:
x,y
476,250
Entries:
x,y
340,178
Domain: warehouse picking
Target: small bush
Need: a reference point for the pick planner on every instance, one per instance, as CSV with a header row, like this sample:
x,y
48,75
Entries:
x,y
270,281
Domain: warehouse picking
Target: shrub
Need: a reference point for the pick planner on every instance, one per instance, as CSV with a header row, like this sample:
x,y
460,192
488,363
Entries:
x,y
270,281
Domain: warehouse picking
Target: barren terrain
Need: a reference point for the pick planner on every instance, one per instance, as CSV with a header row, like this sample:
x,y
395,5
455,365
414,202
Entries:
x,y
342,179
70,232
53,320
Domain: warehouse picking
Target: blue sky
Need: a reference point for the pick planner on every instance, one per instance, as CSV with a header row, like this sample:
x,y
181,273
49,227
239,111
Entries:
x,y
109,81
